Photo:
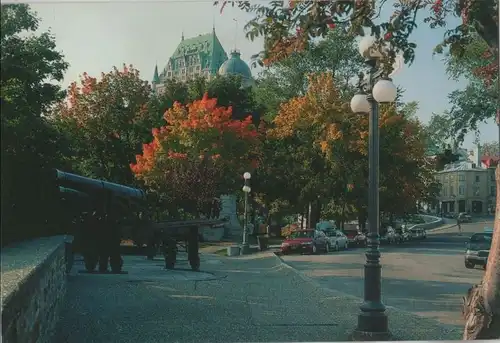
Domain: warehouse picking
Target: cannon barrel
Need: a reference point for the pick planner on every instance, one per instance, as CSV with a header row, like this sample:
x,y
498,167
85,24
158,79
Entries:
x,y
72,193
85,184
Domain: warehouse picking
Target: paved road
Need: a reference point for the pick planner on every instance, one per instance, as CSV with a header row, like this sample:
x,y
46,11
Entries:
x,y
253,298
427,278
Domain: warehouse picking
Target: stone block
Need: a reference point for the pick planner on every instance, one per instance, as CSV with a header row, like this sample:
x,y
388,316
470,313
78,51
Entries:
x,y
33,289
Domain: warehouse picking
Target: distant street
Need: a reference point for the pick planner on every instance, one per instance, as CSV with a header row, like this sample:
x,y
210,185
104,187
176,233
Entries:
x,y
427,278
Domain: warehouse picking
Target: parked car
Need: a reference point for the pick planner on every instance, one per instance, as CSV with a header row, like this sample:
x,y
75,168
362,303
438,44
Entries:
x,y
464,217
478,249
355,237
337,240
418,233
305,241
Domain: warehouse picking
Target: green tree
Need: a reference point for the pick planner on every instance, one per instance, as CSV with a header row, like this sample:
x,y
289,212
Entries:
x,y
108,120
478,102
30,67
439,131
490,149
288,78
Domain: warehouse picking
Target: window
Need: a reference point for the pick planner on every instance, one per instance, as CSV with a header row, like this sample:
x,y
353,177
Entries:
x,y
476,191
461,190
492,176
452,177
445,193
461,177
452,191
492,191
478,178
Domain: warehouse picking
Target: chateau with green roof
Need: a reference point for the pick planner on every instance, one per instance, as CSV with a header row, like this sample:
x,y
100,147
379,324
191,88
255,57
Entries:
x,y
194,57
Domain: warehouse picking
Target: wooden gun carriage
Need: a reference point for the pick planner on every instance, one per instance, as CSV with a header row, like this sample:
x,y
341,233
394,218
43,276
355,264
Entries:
x,y
168,235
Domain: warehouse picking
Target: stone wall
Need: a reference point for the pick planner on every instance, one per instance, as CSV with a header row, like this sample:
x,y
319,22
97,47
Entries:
x,y
33,288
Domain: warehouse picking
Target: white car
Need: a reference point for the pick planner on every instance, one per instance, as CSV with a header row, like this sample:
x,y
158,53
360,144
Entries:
x,y
337,240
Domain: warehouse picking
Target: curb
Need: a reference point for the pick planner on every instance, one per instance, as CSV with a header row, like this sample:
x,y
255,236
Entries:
x,y
315,283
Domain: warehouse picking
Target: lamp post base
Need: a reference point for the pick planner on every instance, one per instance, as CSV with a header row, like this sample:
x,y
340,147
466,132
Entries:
x,y
372,327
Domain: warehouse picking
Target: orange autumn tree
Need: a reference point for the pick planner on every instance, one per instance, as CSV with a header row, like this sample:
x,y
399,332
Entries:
x,y
198,155
342,138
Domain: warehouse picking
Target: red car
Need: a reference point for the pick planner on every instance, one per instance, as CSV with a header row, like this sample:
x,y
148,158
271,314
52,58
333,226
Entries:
x,y
355,237
305,241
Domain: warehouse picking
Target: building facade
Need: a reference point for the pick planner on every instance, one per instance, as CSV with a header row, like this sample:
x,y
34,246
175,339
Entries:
x,y
467,187
194,57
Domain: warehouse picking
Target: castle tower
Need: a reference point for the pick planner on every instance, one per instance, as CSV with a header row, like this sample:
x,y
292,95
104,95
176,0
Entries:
x,y
200,56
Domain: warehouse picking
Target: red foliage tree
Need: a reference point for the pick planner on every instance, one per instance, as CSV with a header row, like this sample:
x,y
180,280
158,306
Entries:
x,y
199,154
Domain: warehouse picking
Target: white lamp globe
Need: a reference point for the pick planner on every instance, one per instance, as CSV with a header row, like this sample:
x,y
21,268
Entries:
x,y
247,176
366,47
360,104
246,189
385,91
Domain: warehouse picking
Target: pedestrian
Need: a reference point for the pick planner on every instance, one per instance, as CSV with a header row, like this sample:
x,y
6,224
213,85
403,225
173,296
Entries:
x,y
459,220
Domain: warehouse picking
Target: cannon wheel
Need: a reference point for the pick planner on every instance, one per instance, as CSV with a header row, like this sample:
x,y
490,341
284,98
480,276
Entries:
x,y
90,262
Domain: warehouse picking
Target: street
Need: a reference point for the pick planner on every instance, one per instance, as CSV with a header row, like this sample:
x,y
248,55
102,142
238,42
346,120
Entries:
x,y
427,278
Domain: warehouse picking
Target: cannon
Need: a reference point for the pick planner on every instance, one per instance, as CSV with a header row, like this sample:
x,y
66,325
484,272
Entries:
x,y
98,208
102,203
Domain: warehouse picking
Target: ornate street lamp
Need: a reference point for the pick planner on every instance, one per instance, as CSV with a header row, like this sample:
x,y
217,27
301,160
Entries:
x,y
374,89
246,189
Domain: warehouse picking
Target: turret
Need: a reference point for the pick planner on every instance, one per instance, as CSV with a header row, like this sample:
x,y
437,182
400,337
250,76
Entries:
x,y
156,78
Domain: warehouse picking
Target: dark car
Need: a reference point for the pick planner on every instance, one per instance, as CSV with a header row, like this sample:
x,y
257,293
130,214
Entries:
x,y
355,237
305,241
478,249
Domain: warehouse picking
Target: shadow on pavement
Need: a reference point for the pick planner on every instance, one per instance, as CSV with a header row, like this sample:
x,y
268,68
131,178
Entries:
x,y
432,299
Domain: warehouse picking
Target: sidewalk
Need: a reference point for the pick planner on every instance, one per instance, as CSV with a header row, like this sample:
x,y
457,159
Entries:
x,y
241,299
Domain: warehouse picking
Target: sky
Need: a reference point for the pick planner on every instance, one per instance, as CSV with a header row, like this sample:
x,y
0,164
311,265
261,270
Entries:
x,y
95,36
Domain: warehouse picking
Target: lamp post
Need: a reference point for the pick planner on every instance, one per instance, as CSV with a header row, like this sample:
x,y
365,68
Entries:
x,y
374,89
246,190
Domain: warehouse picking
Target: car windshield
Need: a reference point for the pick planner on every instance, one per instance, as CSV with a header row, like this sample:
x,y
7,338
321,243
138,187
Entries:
x,y
302,234
481,238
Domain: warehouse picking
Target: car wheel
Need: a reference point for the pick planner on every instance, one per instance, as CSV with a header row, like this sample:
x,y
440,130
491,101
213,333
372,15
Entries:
x,y
469,265
314,249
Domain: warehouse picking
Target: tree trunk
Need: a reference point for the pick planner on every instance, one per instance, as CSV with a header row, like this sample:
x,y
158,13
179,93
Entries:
x,y
481,308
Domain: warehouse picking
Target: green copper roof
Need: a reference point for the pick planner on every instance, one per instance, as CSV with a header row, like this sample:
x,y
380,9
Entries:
x,y
236,66
156,78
